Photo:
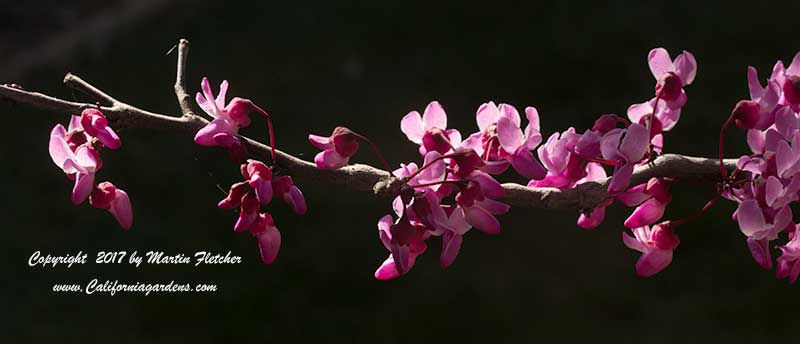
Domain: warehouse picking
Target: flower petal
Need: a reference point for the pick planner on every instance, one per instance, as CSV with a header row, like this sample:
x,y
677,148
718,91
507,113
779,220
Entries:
x,y
509,134
659,62
686,67
121,209
487,115
750,217
434,116
84,183
652,262
330,159
482,219
451,244
412,126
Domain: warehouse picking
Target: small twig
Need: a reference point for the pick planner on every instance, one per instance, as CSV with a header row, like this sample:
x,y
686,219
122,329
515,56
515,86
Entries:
x,y
184,99
78,84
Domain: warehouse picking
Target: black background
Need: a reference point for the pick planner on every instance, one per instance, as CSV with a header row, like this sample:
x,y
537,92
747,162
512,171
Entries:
x,y
318,65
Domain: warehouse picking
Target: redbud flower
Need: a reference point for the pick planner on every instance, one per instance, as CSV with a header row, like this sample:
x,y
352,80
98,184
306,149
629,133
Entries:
x,y
284,188
626,153
223,130
116,201
268,237
652,208
95,124
404,241
656,245
430,130
337,148
672,75
456,226
79,163
791,83
789,261
517,146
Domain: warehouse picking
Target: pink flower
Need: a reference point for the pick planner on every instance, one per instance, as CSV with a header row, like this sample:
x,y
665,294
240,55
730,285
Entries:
x,y
757,113
625,153
404,241
228,119
337,148
455,228
259,176
268,237
789,261
285,189
754,224
671,75
517,146
78,161
95,124
651,209
656,245
791,84
430,130
476,198
116,201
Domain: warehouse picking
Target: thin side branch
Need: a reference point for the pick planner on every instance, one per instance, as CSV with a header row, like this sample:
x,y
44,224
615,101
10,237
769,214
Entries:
x,y
184,99
357,177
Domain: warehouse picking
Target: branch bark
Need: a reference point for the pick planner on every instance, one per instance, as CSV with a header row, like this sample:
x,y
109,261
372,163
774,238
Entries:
x,y
357,177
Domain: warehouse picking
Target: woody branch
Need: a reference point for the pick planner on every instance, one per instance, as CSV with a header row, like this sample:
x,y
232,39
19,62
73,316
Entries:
x,y
357,177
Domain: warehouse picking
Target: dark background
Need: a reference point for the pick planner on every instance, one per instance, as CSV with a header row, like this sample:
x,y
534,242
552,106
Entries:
x,y
318,65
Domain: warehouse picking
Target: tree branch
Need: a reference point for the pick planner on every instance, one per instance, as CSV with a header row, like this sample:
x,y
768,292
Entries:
x,y
357,177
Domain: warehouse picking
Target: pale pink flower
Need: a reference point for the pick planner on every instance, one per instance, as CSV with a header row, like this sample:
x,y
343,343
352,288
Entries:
x,y
430,130
656,244
761,229
517,145
476,197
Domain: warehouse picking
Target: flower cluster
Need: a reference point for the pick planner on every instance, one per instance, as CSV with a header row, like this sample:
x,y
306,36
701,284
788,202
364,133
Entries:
x,y
424,207
76,150
770,177
261,184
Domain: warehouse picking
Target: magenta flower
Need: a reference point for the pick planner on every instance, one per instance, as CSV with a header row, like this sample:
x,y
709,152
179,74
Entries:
x,y
761,229
228,119
517,146
337,148
95,124
758,112
455,228
430,130
625,153
672,76
789,261
404,241
476,197
72,152
259,177
655,196
791,84
116,201
268,237
284,188
656,245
